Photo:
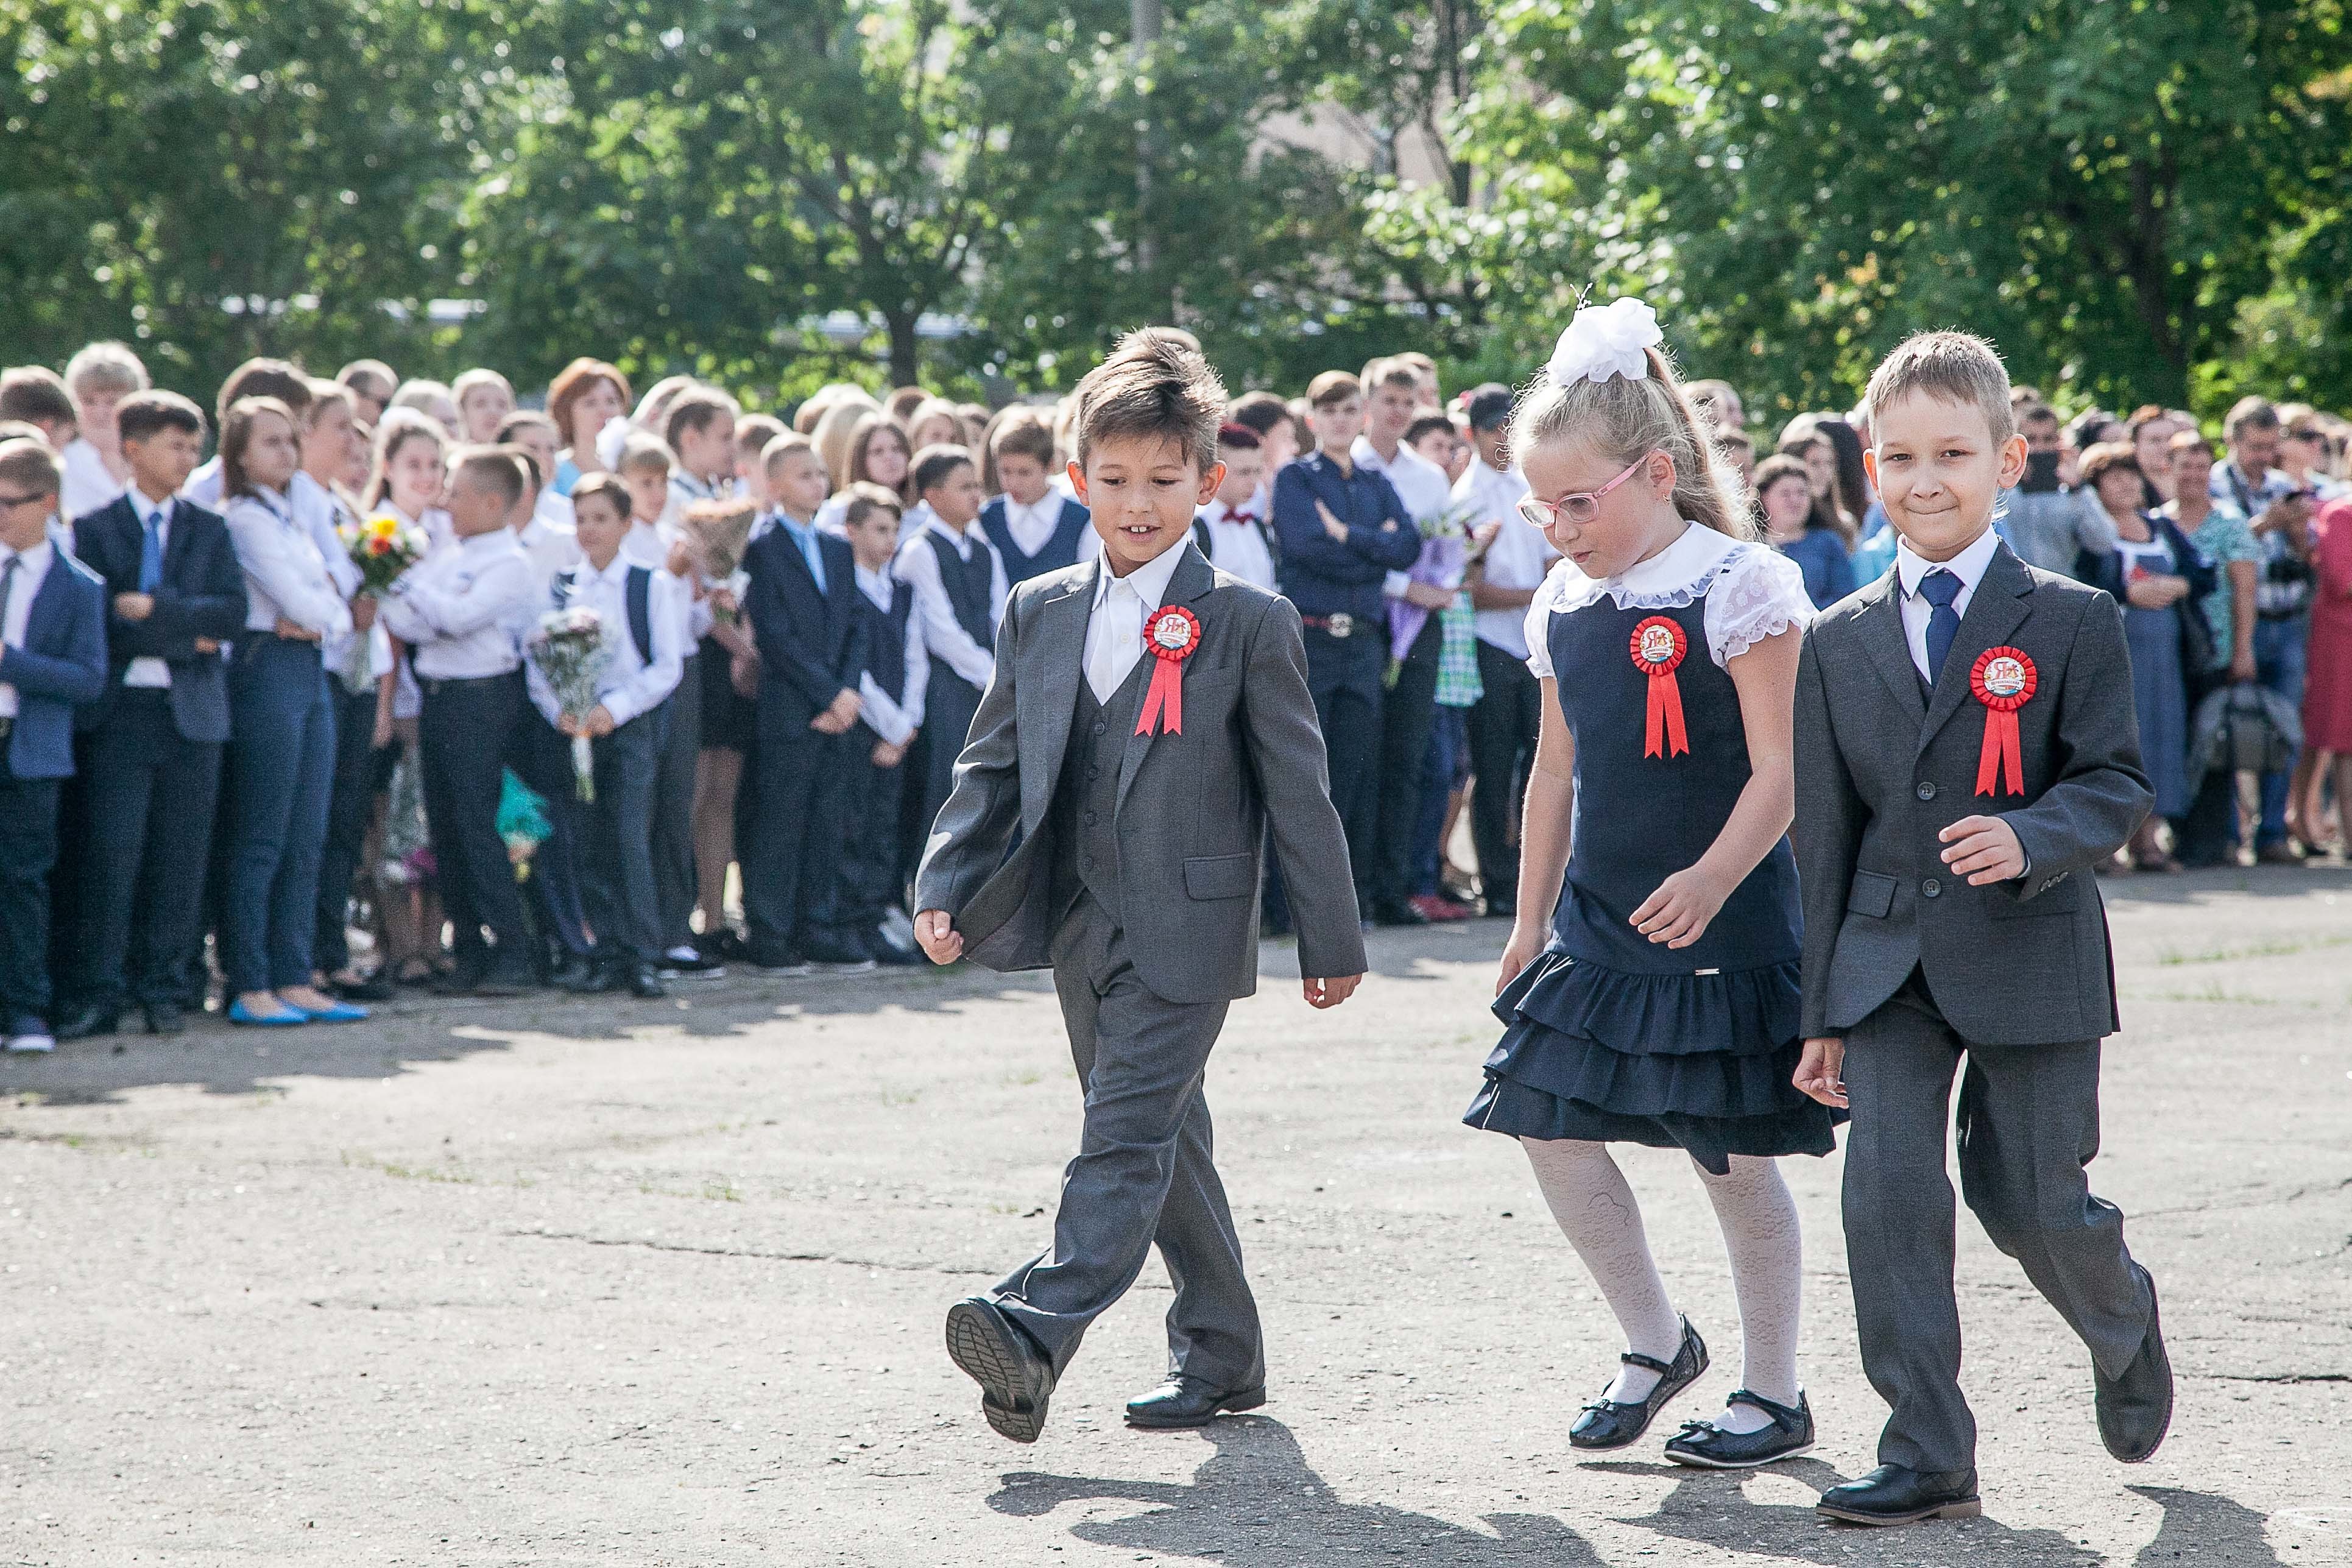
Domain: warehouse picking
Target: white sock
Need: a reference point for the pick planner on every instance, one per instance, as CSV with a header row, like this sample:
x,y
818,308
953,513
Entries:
x,y
1759,1232
1588,1195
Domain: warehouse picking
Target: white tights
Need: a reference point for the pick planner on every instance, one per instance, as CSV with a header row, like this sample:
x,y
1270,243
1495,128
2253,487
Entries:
x,y
1589,1196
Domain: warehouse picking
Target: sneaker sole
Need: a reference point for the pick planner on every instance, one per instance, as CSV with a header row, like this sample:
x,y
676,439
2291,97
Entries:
x,y
1967,1508
978,1344
1701,1462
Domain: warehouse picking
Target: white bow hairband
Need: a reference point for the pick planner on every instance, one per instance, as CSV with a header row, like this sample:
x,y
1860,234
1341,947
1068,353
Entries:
x,y
1604,340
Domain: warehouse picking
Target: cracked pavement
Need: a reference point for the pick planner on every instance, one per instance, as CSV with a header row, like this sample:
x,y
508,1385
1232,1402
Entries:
x,y
562,1281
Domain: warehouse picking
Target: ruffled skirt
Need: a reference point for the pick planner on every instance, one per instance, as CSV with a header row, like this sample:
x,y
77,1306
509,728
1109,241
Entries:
x,y
1697,1062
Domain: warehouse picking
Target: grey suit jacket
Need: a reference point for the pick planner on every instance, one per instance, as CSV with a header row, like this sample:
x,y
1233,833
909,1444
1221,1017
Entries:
x,y
1882,769
1192,808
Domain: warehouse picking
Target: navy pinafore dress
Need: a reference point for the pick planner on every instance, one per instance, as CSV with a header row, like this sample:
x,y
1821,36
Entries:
x,y
1609,1036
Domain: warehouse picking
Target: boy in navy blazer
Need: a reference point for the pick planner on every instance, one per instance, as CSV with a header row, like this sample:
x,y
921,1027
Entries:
x,y
153,737
803,608
52,657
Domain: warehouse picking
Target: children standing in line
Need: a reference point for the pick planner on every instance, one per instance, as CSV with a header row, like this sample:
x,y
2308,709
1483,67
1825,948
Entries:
x,y
457,609
1502,579
1975,760
1034,527
1659,1005
890,714
1231,530
803,605
960,588
643,613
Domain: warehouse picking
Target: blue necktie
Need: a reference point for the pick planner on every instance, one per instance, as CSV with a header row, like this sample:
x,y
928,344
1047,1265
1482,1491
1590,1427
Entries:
x,y
1939,588
806,539
151,554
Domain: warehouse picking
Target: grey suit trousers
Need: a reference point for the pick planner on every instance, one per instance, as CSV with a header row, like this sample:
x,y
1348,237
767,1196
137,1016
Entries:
x,y
1144,1172
2029,1126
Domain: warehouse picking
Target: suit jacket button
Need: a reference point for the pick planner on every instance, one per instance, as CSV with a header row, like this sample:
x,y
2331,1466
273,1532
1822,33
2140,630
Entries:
x,y
1931,888
1090,819
1926,790
1098,729
1088,863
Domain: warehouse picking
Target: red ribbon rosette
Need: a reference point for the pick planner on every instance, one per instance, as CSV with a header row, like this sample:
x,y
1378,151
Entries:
x,y
1171,632
1658,648
2002,679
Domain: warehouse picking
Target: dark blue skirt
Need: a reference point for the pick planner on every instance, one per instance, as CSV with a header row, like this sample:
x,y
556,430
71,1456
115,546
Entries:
x,y
1697,1062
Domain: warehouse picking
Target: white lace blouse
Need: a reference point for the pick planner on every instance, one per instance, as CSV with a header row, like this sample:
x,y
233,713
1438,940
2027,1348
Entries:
x,y
1752,592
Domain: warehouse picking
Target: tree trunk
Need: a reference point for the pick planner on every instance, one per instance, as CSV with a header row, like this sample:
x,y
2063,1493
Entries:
x,y
906,359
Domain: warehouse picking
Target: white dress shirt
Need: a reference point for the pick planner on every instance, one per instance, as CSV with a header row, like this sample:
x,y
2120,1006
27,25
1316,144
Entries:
x,y
286,574
1031,526
459,608
911,522
1238,544
894,721
1968,566
685,490
549,545
648,545
1115,630
1420,484
1520,555
630,685
88,485
204,486
942,633
320,510
147,672
23,587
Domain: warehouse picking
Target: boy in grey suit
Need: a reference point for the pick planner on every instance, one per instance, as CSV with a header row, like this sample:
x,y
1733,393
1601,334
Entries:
x,y
1148,721
1966,756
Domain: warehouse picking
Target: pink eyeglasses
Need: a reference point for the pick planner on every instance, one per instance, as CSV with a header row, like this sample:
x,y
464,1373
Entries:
x,y
1580,508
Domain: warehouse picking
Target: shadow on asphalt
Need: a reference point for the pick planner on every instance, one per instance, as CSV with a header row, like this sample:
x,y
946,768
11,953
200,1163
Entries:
x,y
1256,1501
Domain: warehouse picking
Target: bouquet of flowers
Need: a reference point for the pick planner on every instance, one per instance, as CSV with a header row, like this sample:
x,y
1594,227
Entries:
x,y
718,532
381,548
569,649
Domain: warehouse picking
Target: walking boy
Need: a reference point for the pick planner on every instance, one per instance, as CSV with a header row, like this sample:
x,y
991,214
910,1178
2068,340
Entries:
x,y
458,609
644,612
155,733
1974,760
1142,901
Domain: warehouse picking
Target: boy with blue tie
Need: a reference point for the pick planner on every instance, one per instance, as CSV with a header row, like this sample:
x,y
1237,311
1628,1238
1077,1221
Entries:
x,y
52,657
802,605
642,612
1966,758
457,609
1035,528
153,738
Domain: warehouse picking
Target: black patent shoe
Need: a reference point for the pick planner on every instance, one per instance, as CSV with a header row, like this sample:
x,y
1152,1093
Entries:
x,y
1707,1447
1892,1495
1183,1401
1612,1423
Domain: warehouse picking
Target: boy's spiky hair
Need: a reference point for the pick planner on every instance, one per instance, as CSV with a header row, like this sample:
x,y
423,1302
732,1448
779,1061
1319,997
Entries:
x,y
1958,367
1156,386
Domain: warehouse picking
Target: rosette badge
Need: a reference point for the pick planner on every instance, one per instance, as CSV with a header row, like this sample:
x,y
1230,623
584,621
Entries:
x,y
1659,644
2003,680
1172,634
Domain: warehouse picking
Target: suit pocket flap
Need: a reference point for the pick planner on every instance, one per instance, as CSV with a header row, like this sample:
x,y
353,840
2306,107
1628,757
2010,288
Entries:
x,y
1872,894
1221,876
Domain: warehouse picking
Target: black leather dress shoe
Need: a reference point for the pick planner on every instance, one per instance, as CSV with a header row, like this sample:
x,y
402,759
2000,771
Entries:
x,y
2133,1409
81,1023
570,971
166,1018
1892,1495
645,983
505,980
366,988
1183,1401
1015,1381
1707,1447
1397,912
1613,1424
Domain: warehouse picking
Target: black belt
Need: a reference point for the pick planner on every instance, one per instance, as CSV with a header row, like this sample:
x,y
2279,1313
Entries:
x,y
435,685
2283,615
1342,624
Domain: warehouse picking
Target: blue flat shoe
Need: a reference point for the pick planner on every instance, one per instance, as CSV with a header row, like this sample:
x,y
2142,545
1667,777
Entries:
x,y
340,1013
238,1013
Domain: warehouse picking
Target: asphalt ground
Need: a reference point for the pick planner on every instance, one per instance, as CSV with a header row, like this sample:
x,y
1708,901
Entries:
x,y
559,1281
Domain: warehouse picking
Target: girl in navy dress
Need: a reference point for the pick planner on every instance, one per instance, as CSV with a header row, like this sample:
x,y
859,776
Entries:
x,y
1662,1005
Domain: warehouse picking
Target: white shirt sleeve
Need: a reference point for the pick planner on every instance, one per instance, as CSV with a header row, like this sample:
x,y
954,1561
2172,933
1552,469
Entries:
x,y
1539,622
942,634
657,676
273,555
1760,593
426,605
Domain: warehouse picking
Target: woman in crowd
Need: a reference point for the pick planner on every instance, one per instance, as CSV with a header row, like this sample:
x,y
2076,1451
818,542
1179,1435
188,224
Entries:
x,y
1794,522
2161,580
587,395
2327,679
2209,835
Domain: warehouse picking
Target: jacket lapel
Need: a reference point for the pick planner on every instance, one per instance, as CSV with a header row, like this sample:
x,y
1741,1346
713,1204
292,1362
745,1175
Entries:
x,y
1996,610
1046,701
1191,582
174,547
1881,626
